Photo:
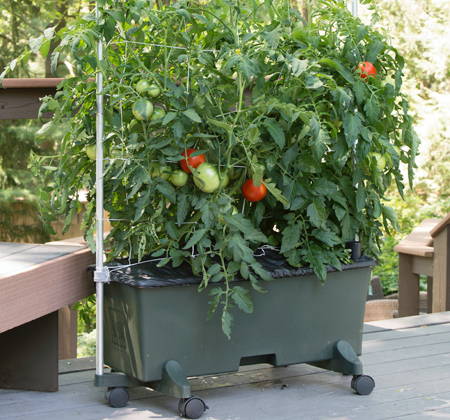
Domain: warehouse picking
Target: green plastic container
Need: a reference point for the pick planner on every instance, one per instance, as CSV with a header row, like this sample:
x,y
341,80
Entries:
x,y
299,320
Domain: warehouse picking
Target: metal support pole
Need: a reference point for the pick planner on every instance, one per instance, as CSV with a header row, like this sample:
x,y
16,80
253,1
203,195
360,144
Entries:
x,y
354,10
355,4
99,275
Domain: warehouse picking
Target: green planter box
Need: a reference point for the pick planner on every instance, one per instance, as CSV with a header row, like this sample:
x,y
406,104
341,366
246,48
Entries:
x,y
157,332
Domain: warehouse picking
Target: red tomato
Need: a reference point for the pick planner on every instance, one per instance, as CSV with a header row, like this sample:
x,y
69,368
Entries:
x,y
252,192
367,69
193,161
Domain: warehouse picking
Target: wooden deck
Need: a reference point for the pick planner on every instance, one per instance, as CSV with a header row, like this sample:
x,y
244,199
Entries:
x,y
408,357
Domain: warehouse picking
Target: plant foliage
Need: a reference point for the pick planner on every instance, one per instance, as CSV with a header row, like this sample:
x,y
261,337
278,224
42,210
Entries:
x,y
263,94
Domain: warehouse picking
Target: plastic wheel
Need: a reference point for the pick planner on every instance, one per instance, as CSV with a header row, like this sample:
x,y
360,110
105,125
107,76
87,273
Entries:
x,y
191,408
117,397
363,384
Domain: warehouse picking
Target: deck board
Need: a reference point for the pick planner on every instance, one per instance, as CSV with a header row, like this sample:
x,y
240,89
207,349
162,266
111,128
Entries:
x,y
409,358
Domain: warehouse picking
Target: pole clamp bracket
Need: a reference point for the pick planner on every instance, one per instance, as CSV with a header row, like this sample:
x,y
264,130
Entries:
x,y
101,276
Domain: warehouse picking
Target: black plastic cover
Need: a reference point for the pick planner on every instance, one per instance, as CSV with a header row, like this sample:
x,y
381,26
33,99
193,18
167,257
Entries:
x,y
148,274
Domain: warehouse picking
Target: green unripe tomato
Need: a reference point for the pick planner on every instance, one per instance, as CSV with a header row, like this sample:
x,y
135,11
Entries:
x,y
142,86
162,172
178,178
158,113
91,151
142,109
206,178
153,91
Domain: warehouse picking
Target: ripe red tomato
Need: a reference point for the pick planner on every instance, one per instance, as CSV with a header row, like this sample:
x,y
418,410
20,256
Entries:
x,y
366,69
252,192
193,161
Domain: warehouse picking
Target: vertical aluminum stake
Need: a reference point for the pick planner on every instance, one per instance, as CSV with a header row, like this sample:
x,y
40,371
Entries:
x,y
355,4
99,275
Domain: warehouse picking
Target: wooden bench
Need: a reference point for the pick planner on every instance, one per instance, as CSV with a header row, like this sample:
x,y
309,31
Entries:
x,y
426,251
36,281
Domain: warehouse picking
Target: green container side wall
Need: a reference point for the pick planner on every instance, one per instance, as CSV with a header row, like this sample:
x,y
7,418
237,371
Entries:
x,y
298,320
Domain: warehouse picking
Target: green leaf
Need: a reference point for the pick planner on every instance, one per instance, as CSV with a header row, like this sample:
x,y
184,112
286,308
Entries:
x,y
257,173
352,128
360,91
171,230
347,230
373,51
170,116
389,214
141,205
178,129
324,187
339,211
183,207
372,109
214,269
275,131
222,125
216,294
167,190
244,270
261,272
291,237
242,299
317,213
360,198
298,66
45,47
239,249
217,277
327,237
192,115
336,65
277,193
245,226
313,82
227,320
195,238
319,268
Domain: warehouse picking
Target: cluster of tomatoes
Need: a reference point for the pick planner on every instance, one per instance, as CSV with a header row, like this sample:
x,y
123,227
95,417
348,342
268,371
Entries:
x,y
208,180
205,175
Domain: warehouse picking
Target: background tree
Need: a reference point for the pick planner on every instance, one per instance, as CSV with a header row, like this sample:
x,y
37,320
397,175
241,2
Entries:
x,y
22,22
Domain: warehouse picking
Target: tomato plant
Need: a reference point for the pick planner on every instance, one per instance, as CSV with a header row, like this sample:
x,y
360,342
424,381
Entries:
x,y
266,95
253,192
189,161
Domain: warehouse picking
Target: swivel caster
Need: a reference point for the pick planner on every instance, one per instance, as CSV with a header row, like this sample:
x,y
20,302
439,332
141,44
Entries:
x,y
117,397
191,408
363,384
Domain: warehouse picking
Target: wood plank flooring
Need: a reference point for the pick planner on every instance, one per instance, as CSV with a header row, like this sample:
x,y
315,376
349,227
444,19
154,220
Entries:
x,y
408,357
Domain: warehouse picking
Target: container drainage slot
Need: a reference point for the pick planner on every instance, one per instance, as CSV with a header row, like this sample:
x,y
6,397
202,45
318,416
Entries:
x,y
271,359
